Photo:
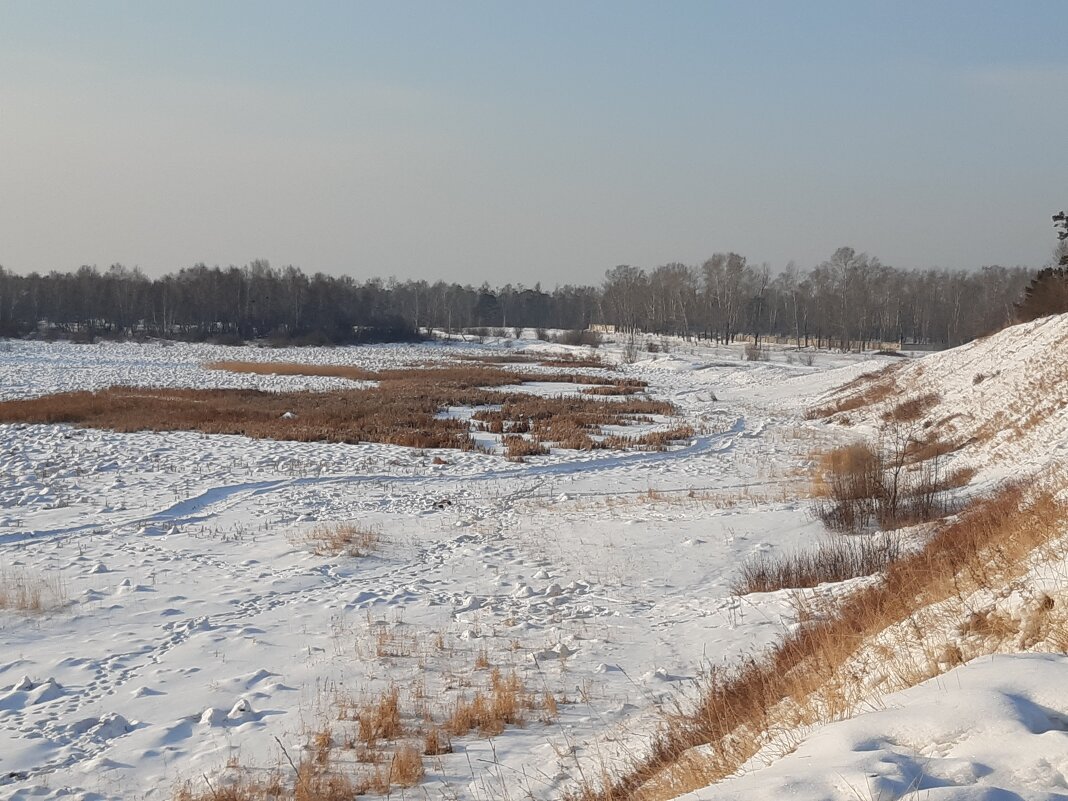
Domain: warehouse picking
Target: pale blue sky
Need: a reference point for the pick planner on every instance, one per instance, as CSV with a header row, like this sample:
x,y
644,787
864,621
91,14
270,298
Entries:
x,y
523,142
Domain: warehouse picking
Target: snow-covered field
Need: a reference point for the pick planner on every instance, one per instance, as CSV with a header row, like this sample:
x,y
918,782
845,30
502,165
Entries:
x,y
194,627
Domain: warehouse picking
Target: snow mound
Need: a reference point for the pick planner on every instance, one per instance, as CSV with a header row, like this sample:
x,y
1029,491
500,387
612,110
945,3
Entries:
x,y
994,728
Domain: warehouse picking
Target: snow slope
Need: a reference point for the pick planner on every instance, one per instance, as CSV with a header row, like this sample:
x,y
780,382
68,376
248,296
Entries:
x,y
997,726
1003,399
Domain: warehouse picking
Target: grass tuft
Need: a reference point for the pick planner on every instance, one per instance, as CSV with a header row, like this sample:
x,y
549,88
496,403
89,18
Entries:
x,y
30,592
340,539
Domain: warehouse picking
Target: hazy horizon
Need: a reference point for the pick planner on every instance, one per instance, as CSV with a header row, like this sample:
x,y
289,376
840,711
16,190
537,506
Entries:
x,y
539,143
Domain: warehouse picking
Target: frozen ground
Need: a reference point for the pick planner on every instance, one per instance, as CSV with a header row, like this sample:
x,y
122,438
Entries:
x,y
197,627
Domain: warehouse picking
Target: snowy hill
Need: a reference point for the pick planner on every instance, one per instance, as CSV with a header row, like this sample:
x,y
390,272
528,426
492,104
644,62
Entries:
x,y
1000,402
992,720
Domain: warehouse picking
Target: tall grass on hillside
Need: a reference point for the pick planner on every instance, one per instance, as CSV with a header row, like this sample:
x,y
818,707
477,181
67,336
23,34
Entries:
x,y
807,679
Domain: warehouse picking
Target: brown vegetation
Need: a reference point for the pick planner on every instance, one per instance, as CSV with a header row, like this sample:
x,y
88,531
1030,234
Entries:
x,y
895,481
912,409
339,539
380,719
611,390
488,712
562,360
402,409
865,390
574,422
292,368
838,559
517,446
30,592
383,752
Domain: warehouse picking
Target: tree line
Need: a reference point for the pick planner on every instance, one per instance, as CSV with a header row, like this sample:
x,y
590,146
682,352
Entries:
x,y
849,300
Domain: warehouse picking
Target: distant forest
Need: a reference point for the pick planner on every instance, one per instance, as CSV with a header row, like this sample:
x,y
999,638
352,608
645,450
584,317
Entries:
x,y
850,300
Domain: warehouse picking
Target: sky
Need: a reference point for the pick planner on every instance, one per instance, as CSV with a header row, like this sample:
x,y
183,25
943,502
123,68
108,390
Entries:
x,y
529,142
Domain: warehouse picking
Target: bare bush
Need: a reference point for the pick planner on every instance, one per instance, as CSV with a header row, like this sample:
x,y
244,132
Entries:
x,y
894,482
579,337
756,353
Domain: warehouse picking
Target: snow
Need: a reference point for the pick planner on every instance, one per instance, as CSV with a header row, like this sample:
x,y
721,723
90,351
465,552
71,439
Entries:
x,y
994,729
1003,397
195,626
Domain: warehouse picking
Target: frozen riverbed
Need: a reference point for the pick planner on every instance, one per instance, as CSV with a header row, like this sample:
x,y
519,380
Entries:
x,y
194,625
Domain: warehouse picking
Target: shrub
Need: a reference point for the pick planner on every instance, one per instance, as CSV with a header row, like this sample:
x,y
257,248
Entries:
x,y
579,337
756,353
893,483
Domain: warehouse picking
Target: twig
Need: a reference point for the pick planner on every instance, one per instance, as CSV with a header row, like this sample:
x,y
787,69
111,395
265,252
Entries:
x,y
291,763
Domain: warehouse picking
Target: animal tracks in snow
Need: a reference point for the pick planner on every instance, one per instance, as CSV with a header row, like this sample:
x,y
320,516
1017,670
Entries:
x,y
197,626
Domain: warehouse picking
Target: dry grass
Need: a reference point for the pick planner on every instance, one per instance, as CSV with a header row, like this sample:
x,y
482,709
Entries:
x,y
574,360
611,390
292,368
380,719
340,539
894,482
563,360
912,409
488,712
30,592
310,781
808,679
865,390
406,767
378,744
402,409
516,446
838,559
651,441
576,422
436,741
